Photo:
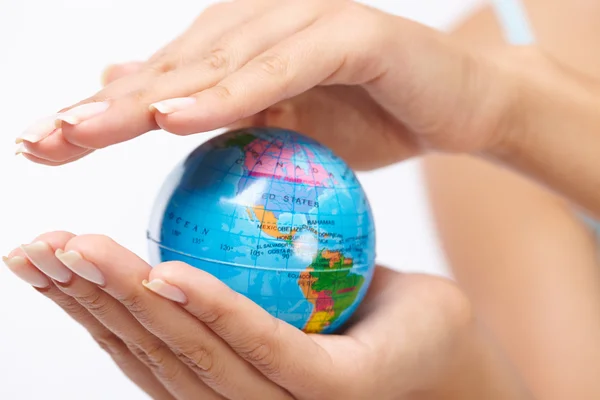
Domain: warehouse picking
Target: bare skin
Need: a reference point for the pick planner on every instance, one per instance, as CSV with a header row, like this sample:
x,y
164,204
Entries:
x,y
525,259
487,105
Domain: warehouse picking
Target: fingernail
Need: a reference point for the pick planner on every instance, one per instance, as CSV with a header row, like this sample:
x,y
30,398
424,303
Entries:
x,y
21,149
165,290
21,268
83,112
41,255
171,105
85,269
39,130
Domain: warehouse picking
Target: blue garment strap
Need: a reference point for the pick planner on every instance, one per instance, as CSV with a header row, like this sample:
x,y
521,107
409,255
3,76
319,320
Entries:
x,y
592,223
514,21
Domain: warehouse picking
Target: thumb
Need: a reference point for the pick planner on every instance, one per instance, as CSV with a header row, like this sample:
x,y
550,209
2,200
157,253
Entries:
x,y
116,71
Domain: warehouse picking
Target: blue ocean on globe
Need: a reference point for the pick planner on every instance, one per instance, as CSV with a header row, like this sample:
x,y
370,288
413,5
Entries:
x,y
276,216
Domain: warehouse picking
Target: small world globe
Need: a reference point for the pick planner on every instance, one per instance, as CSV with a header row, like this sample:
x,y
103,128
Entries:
x,y
277,217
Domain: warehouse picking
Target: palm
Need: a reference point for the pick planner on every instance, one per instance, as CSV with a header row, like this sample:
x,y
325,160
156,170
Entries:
x,y
346,119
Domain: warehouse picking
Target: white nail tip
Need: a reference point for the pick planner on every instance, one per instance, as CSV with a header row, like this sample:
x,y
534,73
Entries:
x,y
165,290
172,105
20,267
76,263
41,255
81,113
21,149
39,130
14,262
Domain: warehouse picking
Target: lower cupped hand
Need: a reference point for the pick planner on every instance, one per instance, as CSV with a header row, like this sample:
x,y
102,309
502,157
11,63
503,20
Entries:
x,y
178,332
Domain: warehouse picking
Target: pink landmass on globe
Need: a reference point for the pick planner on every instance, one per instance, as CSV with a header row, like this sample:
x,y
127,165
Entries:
x,y
265,159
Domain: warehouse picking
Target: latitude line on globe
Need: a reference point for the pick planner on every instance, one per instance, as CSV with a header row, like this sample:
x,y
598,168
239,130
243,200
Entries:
x,y
212,260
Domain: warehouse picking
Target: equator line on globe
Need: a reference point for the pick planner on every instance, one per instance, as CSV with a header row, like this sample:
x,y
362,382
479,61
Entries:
x,y
276,216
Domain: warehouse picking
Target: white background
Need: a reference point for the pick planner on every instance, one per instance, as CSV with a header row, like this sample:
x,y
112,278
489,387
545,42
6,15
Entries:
x,y
51,54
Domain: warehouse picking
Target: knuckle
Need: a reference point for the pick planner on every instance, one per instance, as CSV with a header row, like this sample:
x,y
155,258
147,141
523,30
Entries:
x,y
111,344
151,352
216,316
201,361
274,64
70,305
156,351
219,314
261,352
95,301
134,303
141,96
223,92
218,59
165,64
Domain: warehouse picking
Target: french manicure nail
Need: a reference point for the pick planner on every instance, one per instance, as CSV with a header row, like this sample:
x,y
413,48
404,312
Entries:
x,y
172,105
41,255
83,112
21,268
76,263
21,149
165,290
39,130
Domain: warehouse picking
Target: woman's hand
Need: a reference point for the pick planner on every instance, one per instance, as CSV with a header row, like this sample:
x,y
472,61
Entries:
x,y
191,337
375,87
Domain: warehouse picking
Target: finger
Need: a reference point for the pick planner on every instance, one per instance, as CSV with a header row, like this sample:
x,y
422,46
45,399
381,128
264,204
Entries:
x,y
215,21
129,115
54,150
285,70
43,161
131,366
118,71
118,351
256,120
196,345
179,380
106,125
281,352
88,133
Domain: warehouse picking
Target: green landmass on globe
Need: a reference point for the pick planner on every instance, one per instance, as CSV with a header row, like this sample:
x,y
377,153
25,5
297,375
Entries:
x,y
276,216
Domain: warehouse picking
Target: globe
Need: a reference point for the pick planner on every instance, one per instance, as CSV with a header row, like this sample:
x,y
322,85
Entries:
x,y
276,216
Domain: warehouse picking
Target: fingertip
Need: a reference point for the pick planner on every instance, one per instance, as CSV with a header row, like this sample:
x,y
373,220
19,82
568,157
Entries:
x,y
166,290
126,118
23,269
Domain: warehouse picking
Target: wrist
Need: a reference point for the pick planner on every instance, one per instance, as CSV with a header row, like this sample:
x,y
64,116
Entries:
x,y
551,131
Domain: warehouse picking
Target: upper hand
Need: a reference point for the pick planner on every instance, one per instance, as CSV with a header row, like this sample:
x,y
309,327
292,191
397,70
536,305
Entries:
x,y
199,339
375,87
